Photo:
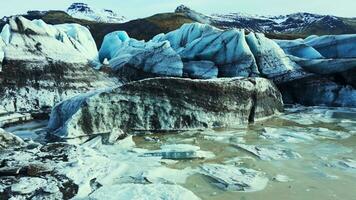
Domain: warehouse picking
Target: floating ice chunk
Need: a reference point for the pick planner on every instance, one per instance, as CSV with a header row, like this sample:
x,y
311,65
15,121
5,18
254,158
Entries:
x,y
297,134
308,115
180,151
170,175
270,153
321,174
348,125
235,178
143,192
289,135
348,163
282,178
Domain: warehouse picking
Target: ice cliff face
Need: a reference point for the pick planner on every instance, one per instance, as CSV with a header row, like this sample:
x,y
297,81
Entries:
x,y
44,64
83,11
198,51
332,62
166,104
133,60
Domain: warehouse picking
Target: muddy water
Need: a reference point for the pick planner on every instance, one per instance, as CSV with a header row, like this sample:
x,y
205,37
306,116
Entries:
x,y
318,175
328,139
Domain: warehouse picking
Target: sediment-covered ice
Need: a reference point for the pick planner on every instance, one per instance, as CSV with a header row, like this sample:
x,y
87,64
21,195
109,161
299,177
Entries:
x,y
113,165
298,135
270,153
289,135
46,64
233,178
152,105
9,140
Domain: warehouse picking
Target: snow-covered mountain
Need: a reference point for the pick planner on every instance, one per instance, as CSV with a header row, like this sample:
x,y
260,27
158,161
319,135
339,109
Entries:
x,y
296,22
302,23
83,11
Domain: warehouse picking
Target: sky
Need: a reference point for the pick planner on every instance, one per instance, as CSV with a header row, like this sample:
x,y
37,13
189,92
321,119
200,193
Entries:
x,y
142,8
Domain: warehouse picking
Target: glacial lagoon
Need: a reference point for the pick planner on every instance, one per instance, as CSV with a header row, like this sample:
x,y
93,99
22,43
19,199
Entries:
x,y
305,153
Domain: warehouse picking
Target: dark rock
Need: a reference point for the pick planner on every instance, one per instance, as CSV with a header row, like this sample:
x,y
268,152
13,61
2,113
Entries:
x,y
8,140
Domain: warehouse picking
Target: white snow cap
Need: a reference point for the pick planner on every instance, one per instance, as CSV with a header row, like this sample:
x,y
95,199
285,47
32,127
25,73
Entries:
x,y
83,11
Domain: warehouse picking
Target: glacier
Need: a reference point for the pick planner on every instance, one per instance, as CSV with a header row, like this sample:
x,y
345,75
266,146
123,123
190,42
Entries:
x,y
23,36
331,60
185,51
44,64
227,49
334,46
134,60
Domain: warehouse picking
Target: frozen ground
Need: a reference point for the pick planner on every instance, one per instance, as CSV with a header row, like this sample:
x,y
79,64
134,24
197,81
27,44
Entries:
x,y
306,153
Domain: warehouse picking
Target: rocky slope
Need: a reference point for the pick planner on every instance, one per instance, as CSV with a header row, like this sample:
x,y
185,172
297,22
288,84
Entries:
x,y
83,11
44,64
166,104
